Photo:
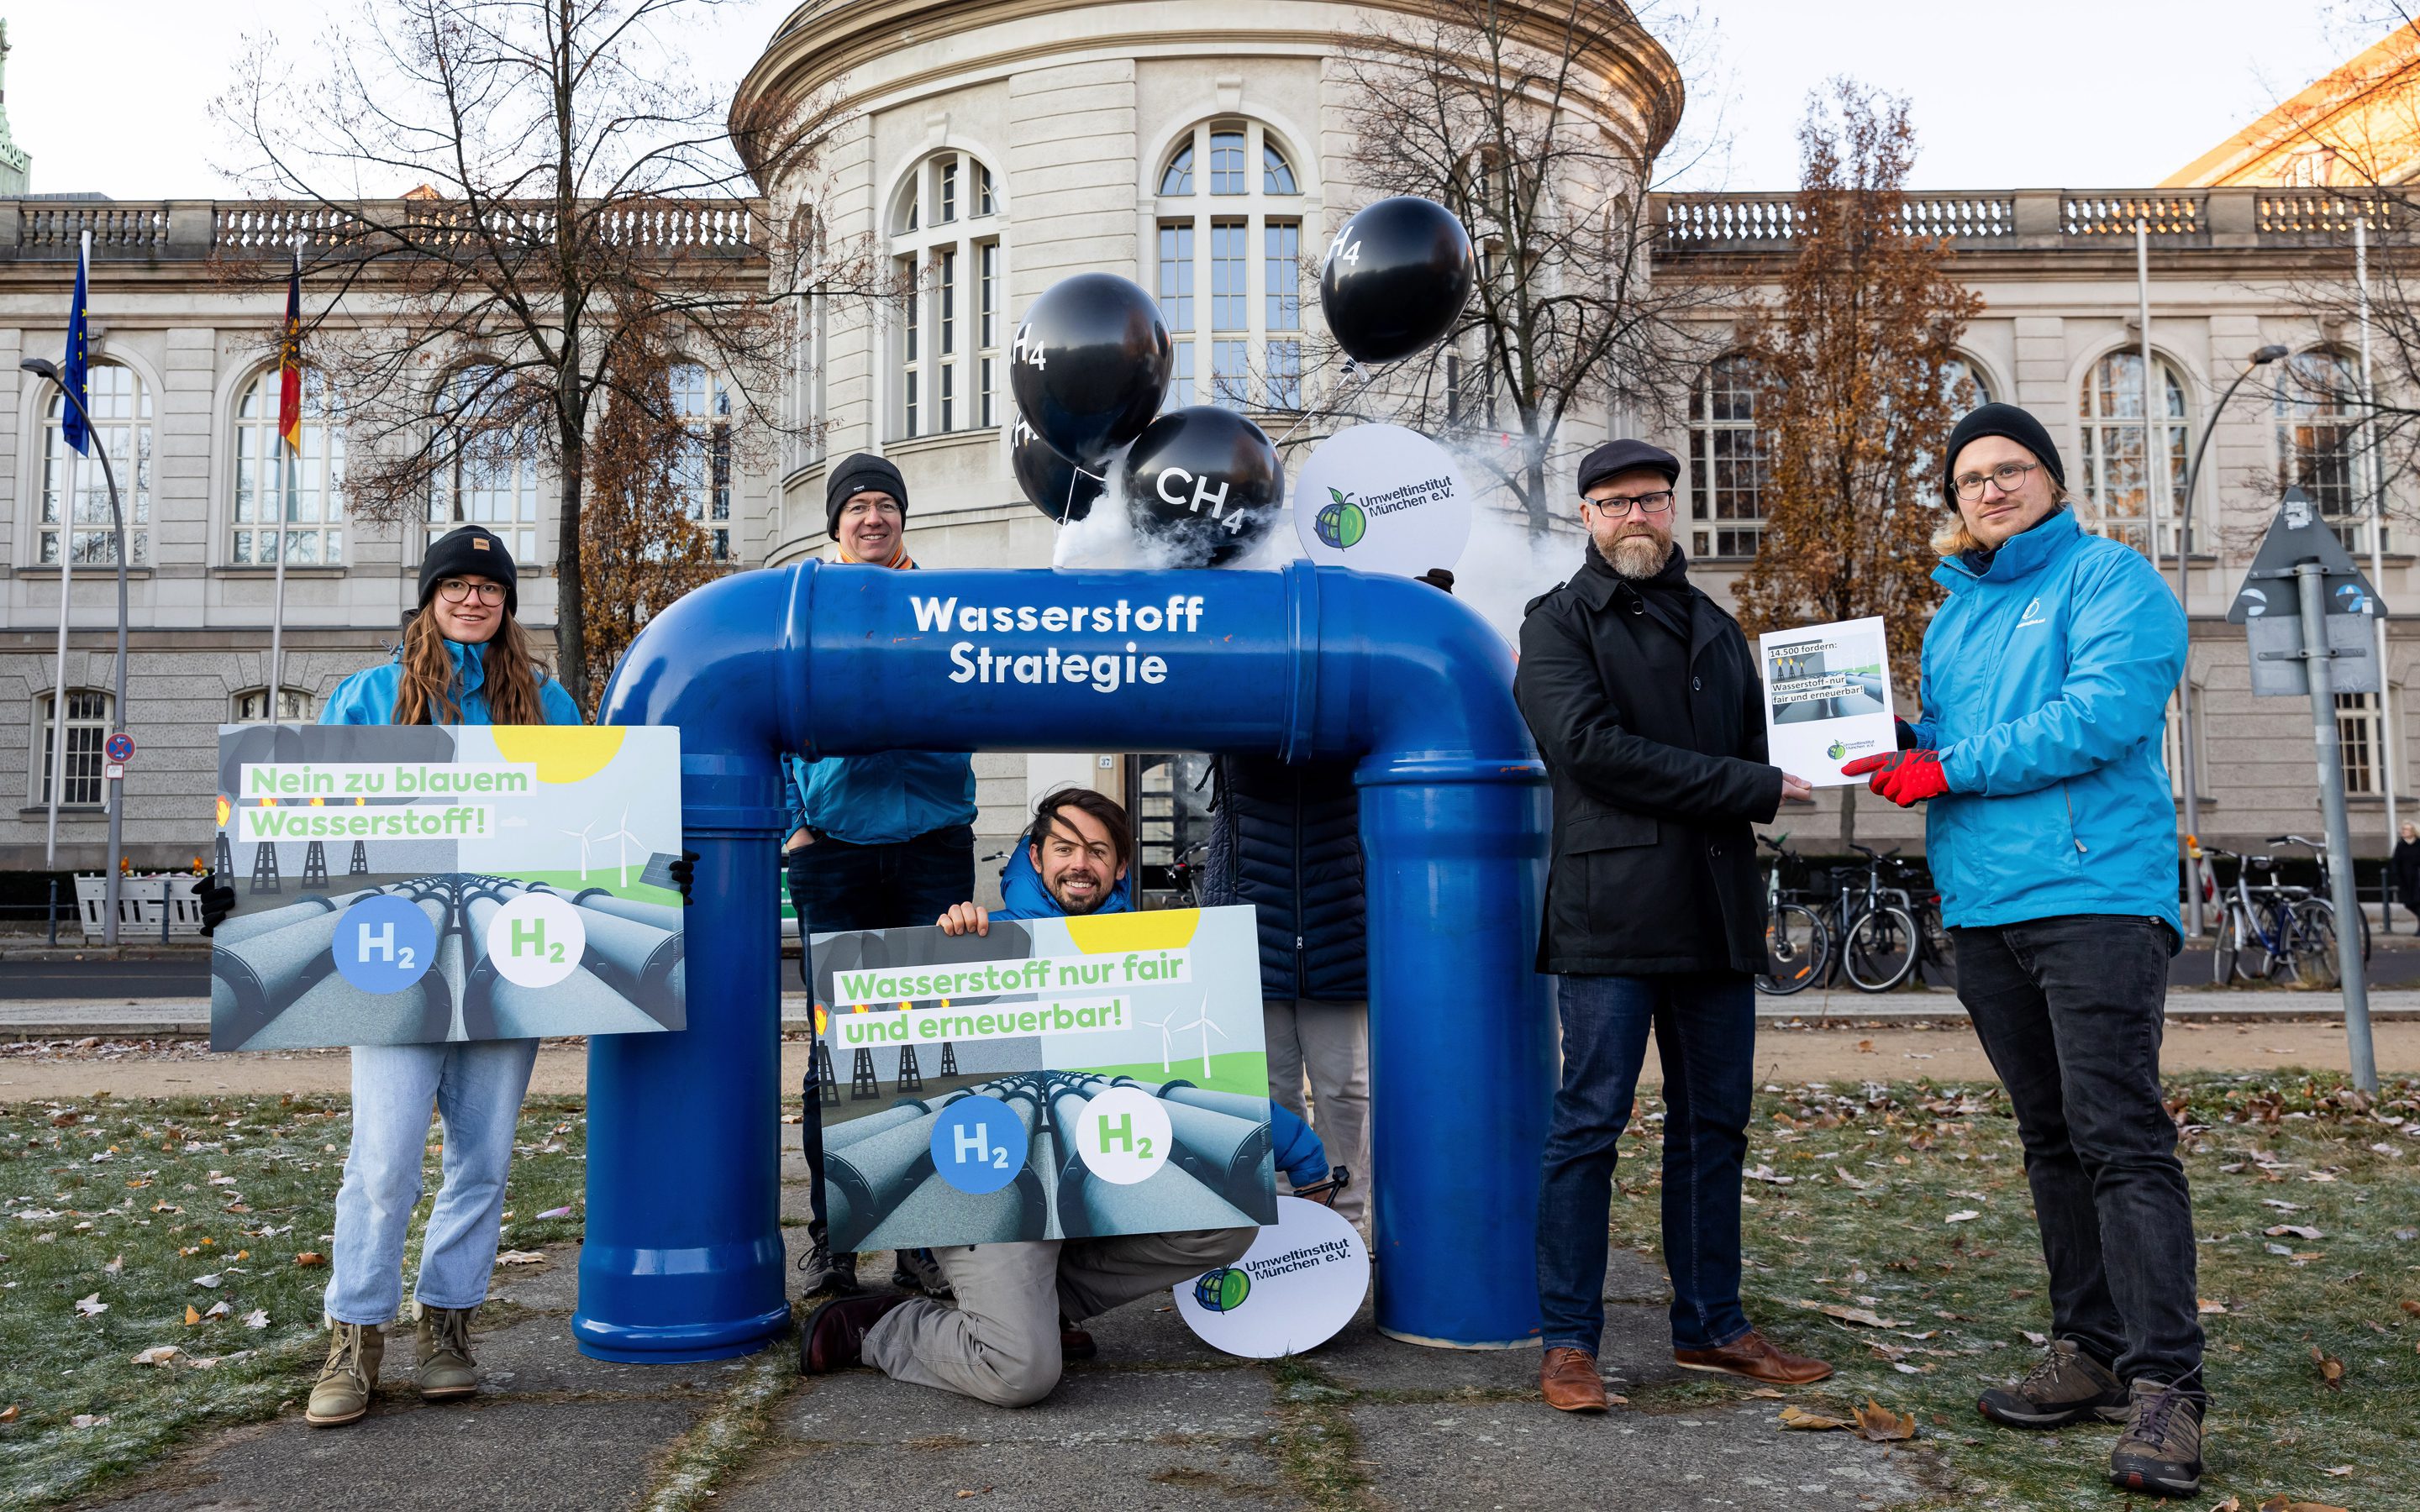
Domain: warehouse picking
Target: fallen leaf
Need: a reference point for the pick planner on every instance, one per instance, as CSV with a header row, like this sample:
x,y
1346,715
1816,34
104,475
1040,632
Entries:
x,y
244,1255
2337,1469
1848,1180
557,1213
220,1310
1866,1048
193,1315
2036,1339
87,1420
258,1318
2331,1370
158,1355
2230,1504
91,1306
2298,1231
1765,1391
1850,1315
1798,1418
2209,1306
114,1266
1877,1423
2282,1502
2412,1308
310,1256
1962,1215
521,1257
211,1280
8,1414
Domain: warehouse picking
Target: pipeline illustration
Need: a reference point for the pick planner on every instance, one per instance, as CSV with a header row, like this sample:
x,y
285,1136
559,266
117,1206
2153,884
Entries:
x,y
884,1193
274,982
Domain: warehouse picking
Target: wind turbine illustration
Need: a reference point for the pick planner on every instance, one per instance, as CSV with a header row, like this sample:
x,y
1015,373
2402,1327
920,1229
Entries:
x,y
1167,1046
1200,1021
583,836
625,836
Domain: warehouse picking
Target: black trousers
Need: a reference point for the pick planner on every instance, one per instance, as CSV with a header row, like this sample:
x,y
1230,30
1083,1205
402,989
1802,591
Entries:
x,y
2069,1010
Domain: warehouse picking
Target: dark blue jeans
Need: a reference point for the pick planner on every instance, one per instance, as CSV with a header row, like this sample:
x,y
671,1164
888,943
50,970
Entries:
x,y
837,886
1705,1031
2069,1010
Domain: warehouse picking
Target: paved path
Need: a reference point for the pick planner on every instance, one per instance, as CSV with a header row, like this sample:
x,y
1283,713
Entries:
x,y
1160,1421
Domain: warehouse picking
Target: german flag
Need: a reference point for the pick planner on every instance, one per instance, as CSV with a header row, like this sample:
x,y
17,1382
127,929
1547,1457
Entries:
x,y
289,361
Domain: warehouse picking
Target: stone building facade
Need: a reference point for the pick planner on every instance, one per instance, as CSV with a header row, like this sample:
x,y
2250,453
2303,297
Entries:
x,y
1197,148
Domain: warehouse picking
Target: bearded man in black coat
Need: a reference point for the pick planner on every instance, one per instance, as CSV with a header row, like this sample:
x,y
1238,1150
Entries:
x,y
1644,699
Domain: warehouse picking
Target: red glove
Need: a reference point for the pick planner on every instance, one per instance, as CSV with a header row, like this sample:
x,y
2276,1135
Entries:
x,y
1907,777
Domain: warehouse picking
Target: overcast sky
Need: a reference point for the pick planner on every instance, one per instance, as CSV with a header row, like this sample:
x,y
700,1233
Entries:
x,y
112,95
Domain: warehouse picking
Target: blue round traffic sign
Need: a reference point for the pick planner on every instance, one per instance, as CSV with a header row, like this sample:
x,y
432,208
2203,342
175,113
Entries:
x,y
119,748
978,1144
385,943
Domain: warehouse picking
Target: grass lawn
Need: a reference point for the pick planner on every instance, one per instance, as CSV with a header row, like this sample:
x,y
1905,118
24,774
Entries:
x,y
1859,1186
214,1208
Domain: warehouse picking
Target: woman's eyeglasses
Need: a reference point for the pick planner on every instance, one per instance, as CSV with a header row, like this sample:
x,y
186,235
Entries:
x,y
457,589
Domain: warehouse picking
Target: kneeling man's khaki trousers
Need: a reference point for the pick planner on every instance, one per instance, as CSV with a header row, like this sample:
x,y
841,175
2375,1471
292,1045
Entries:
x,y
1000,1343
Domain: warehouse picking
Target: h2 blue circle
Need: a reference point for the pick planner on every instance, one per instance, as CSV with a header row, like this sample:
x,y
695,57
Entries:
x,y
385,943
978,1144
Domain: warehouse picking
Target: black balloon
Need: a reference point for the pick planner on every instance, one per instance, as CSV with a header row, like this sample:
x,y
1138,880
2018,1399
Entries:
x,y
1395,279
1203,484
1090,366
1056,486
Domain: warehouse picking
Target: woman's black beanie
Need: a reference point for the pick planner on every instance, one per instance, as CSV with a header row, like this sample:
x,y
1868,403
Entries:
x,y
468,550
2003,419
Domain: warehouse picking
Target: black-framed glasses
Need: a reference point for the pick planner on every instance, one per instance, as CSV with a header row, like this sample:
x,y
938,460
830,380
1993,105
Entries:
x,y
2011,476
1650,505
456,589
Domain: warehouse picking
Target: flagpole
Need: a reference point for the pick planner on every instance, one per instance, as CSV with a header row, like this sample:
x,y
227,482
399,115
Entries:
x,y
59,695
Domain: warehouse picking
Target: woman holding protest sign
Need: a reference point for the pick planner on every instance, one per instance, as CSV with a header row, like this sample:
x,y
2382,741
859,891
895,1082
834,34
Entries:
x,y
464,660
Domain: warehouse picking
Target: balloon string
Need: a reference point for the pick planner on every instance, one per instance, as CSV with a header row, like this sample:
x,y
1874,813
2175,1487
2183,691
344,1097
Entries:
x,y
1353,372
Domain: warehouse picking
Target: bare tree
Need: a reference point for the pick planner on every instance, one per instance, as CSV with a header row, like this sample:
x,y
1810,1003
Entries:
x,y
1501,111
574,208
1854,391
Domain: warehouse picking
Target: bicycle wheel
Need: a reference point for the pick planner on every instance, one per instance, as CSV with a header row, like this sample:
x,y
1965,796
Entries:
x,y
2272,947
2314,947
1794,951
2227,960
1880,950
1938,957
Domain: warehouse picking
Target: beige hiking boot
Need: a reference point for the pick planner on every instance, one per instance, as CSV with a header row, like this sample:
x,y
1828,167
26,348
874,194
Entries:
x,y
342,1393
446,1369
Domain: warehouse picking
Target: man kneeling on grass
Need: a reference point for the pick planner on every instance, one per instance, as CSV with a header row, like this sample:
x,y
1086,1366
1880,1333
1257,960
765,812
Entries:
x,y
1003,1341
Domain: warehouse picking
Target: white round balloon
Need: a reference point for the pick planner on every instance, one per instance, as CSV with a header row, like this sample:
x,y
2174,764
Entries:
x,y
1382,499
1301,1281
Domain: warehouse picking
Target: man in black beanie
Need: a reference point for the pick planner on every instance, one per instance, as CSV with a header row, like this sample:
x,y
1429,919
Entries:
x,y
865,509
876,842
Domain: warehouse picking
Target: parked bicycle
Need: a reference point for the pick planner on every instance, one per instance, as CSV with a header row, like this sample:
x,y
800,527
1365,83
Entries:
x,y
2272,932
2319,848
1796,944
1863,930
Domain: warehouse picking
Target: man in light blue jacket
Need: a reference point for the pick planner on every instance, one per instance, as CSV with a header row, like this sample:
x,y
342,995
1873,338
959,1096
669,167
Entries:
x,y
2052,834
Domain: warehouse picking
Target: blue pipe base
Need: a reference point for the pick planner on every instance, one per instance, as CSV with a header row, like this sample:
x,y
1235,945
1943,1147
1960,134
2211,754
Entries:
x,y
676,1343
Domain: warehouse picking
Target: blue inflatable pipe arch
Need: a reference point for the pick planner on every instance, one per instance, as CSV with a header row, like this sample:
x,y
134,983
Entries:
x,y
683,1258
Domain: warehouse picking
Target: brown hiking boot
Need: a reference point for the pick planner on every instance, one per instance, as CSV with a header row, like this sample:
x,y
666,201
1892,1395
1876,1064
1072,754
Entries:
x,y
2067,1386
342,1393
832,1337
1569,1380
446,1371
2161,1449
1754,1357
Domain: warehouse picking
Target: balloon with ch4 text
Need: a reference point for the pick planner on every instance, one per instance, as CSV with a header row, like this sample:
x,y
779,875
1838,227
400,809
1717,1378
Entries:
x,y
1053,484
1090,366
1394,279
1203,485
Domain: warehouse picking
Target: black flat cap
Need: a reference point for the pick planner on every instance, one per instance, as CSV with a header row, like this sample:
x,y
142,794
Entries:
x,y
1623,457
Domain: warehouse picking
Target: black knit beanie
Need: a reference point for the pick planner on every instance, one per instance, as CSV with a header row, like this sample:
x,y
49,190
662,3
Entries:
x,y
468,550
2003,420
859,472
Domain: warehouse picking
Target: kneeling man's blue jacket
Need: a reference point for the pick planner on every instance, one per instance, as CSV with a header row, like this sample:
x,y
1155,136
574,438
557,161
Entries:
x,y
2046,681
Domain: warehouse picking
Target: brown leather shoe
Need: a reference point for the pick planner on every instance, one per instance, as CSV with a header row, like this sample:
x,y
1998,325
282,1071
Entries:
x,y
1075,1343
1752,1355
832,1337
1569,1378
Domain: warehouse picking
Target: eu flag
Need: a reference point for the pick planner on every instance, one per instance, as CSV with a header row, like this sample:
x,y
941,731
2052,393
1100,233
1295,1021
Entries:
x,y
71,426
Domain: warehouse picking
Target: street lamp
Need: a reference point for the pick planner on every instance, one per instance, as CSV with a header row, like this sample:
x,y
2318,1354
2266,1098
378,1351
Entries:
x,y
2260,358
44,367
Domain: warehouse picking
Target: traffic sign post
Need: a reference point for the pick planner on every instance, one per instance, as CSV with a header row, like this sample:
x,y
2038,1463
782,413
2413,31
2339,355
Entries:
x,y
2307,610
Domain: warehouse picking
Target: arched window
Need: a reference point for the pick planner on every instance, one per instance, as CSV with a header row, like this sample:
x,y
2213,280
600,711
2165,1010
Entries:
x,y
1246,234
2318,420
702,474
87,727
1962,384
122,422
271,484
946,251
252,706
1725,462
489,472
2116,477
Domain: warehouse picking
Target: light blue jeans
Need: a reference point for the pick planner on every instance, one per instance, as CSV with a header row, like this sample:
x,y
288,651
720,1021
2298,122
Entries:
x,y
477,1088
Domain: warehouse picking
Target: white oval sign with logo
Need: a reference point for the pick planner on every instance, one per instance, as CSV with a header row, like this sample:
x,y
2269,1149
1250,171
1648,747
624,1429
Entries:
x,y
1301,1281
1382,499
